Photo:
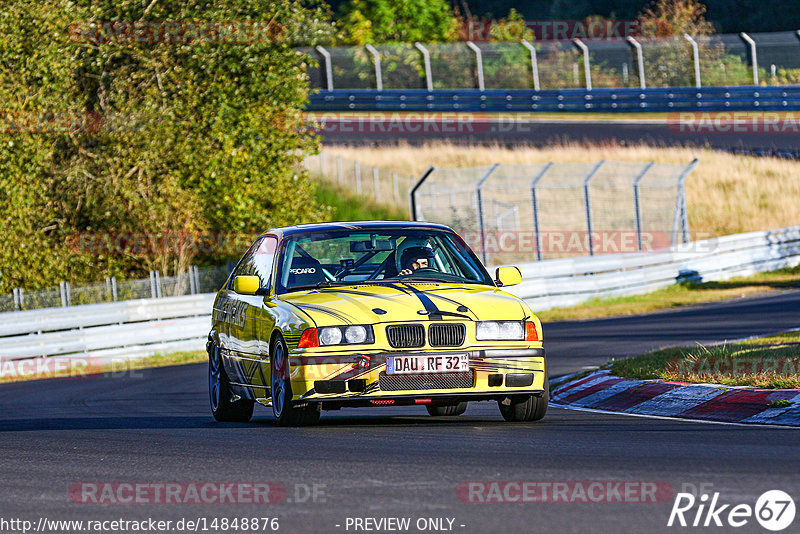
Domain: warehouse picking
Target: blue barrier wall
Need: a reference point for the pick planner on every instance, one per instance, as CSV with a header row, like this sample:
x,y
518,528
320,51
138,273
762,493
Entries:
x,y
738,98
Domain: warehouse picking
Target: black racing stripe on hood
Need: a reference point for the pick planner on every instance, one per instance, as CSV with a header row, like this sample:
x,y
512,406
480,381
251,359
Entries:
x,y
429,305
325,310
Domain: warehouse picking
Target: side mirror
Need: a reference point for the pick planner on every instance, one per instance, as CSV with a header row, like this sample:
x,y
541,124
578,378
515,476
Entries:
x,y
246,285
508,276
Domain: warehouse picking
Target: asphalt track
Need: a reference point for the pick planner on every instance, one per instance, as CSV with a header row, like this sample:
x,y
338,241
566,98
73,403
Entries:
x,y
485,129
153,426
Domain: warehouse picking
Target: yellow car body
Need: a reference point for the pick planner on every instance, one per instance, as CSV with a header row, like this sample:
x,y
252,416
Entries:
x,y
253,325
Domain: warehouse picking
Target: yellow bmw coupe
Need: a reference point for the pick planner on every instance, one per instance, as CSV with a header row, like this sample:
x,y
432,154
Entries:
x,y
325,316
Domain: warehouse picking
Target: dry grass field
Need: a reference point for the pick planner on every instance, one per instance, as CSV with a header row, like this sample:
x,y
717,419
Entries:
x,y
726,194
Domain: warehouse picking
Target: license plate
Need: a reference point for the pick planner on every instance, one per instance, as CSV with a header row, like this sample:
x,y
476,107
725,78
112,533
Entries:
x,y
438,363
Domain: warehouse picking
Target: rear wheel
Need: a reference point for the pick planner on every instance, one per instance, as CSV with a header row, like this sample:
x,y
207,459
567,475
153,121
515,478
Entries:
x,y
225,405
286,413
449,410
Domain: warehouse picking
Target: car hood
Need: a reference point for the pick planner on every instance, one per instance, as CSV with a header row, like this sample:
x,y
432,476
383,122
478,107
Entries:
x,y
401,302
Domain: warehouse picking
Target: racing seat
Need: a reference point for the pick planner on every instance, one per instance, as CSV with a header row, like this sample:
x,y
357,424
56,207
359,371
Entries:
x,y
305,272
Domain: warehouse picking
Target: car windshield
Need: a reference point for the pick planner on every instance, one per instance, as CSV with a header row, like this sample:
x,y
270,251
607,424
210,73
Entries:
x,y
339,257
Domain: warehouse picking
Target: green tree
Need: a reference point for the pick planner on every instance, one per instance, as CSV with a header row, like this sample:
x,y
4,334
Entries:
x,y
195,131
385,21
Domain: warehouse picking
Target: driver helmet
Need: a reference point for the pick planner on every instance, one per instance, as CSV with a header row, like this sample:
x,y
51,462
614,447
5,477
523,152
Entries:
x,y
411,254
408,242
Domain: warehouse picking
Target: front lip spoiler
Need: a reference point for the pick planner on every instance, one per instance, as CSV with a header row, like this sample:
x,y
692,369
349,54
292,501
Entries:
x,y
410,399
379,357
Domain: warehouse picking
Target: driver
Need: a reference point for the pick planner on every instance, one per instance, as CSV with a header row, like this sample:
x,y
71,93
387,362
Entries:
x,y
414,258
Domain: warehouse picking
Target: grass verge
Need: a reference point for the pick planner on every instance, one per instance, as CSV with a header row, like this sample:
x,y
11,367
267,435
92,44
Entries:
x,y
677,295
344,205
768,362
85,368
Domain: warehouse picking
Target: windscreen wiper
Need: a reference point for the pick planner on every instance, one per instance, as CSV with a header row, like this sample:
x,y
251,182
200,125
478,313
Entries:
x,y
318,285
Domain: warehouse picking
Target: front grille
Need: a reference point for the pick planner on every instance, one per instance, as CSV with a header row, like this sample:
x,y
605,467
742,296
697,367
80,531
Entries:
x,y
405,336
446,335
426,382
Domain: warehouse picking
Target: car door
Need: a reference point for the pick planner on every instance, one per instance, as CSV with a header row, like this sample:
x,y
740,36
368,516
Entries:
x,y
251,321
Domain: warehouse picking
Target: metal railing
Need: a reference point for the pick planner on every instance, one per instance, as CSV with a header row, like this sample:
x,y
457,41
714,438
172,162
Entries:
x,y
567,282
679,61
518,213
137,328
110,331
197,280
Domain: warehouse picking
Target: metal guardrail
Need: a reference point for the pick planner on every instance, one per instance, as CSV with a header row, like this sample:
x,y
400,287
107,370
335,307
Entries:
x,y
567,282
656,99
101,332
139,328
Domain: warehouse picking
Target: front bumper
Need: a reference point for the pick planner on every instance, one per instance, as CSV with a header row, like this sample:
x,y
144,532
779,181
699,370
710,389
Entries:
x,y
361,379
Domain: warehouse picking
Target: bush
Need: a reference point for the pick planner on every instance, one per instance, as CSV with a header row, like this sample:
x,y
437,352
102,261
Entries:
x,y
109,131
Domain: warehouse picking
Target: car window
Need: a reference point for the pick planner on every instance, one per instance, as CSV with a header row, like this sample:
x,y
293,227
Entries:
x,y
257,261
350,256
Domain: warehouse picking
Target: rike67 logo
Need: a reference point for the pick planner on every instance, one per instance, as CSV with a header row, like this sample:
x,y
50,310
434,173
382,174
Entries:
x,y
774,510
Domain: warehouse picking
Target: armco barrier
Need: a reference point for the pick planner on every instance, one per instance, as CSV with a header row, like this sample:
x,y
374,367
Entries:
x,y
566,282
656,99
126,329
138,328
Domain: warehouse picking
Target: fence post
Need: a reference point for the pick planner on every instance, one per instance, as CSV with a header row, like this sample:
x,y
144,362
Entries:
x,y
358,177
376,183
636,207
696,56
412,201
681,216
587,69
64,289
534,63
328,69
535,207
481,225
377,58
17,299
114,288
753,54
153,290
426,59
588,204
339,170
108,289
639,60
479,63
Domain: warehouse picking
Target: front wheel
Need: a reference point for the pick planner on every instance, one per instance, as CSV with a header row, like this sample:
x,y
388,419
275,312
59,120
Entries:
x,y
525,407
286,413
223,406
450,410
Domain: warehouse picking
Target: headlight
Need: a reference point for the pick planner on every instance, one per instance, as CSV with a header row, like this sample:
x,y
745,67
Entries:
x,y
346,335
500,330
355,334
330,336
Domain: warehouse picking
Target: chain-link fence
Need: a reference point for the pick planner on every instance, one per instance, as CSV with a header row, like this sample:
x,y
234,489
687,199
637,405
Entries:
x,y
518,213
716,60
197,280
385,186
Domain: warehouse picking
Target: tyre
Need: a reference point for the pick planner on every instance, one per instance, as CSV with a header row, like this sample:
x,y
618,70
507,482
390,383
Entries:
x,y
449,410
526,407
223,406
286,413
